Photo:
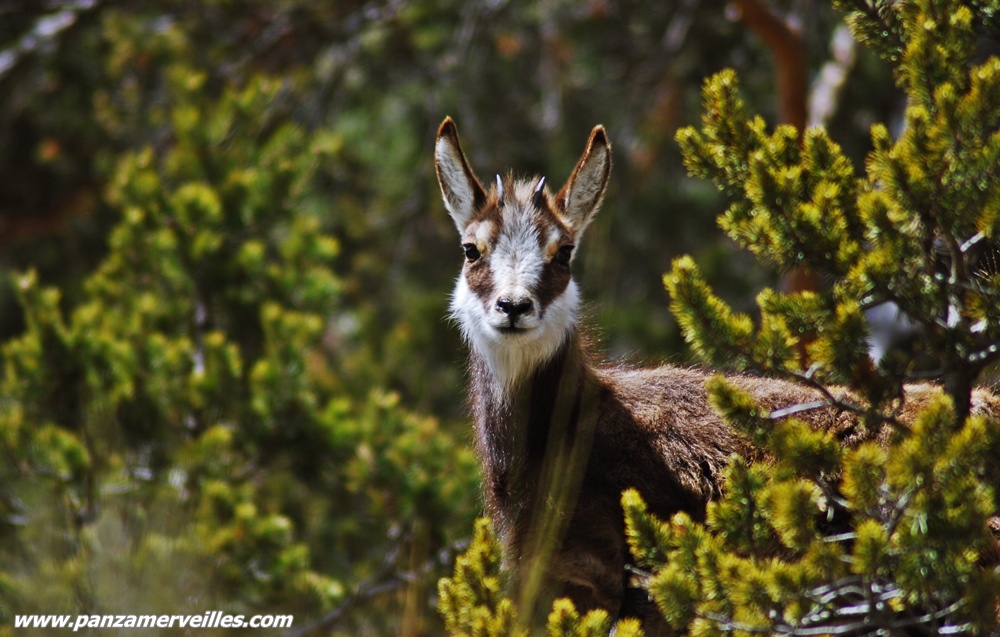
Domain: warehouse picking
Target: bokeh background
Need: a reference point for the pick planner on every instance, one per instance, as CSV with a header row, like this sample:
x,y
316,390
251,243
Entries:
x,y
228,380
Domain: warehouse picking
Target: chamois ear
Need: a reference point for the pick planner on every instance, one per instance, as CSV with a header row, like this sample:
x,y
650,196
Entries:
x,y
461,190
581,196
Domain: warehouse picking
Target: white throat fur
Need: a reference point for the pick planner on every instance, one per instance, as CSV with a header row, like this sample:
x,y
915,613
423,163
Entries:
x,y
511,358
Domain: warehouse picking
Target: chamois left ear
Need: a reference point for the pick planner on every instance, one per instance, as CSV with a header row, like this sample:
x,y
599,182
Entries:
x,y
580,198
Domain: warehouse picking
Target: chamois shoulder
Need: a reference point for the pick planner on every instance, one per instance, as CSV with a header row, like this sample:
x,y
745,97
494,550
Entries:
x,y
659,394
670,404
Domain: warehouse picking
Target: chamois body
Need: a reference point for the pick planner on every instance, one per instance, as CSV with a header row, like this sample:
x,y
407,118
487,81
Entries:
x,y
560,435
648,429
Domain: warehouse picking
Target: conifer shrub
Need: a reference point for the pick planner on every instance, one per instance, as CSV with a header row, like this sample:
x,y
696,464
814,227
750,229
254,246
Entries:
x,y
180,440
475,603
910,231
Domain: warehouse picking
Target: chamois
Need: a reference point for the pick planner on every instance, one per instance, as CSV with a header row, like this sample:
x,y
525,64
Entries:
x,y
560,435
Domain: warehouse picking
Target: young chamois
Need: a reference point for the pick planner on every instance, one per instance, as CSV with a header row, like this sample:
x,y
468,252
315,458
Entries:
x,y
559,435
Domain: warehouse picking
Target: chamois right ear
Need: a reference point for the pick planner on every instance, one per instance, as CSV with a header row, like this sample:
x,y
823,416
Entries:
x,y
462,192
580,198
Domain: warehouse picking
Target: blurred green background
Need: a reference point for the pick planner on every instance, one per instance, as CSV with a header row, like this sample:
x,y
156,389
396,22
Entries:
x,y
228,379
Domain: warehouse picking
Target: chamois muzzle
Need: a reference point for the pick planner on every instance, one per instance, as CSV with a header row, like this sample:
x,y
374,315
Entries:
x,y
514,309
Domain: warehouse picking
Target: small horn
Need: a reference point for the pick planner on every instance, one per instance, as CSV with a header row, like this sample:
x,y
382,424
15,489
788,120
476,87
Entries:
x,y
538,198
499,187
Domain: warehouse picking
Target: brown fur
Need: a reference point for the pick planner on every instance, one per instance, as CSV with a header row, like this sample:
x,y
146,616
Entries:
x,y
648,429
479,277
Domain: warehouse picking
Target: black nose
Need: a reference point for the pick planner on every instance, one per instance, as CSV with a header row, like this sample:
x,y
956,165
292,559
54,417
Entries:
x,y
514,309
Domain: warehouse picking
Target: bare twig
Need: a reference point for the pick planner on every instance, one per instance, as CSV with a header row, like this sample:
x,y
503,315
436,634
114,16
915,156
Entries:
x,y
779,414
44,34
385,580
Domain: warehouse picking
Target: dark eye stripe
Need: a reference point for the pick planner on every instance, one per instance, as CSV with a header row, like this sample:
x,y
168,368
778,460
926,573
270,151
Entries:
x,y
480,279
553,282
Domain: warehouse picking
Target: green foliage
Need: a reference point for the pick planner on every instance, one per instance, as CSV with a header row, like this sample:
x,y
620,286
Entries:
x,y
182,429
762,562
798,202
207,400
565,621
885,535
221,293
474,603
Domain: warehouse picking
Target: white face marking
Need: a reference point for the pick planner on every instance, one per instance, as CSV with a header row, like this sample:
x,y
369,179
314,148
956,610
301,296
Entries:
x,y
512,357
481,233
514,344
516,263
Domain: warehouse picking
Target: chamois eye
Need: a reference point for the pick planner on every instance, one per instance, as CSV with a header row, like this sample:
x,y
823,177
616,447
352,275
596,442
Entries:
x,y
563,255
471,252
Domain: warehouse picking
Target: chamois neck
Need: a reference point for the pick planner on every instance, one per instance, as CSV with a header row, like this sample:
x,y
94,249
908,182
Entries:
x,y
519,427
514,376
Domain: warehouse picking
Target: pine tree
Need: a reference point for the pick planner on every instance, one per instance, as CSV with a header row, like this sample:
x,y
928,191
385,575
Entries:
x,y
178,440
913,510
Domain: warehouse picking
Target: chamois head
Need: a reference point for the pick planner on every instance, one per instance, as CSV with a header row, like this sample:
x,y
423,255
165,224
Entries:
x,y
515,300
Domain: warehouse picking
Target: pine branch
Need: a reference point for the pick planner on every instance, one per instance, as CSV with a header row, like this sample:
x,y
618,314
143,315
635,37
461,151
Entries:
x,y
876,24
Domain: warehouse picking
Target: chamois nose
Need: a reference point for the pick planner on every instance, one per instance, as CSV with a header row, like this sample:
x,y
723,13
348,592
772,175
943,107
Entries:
x,y
514,308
